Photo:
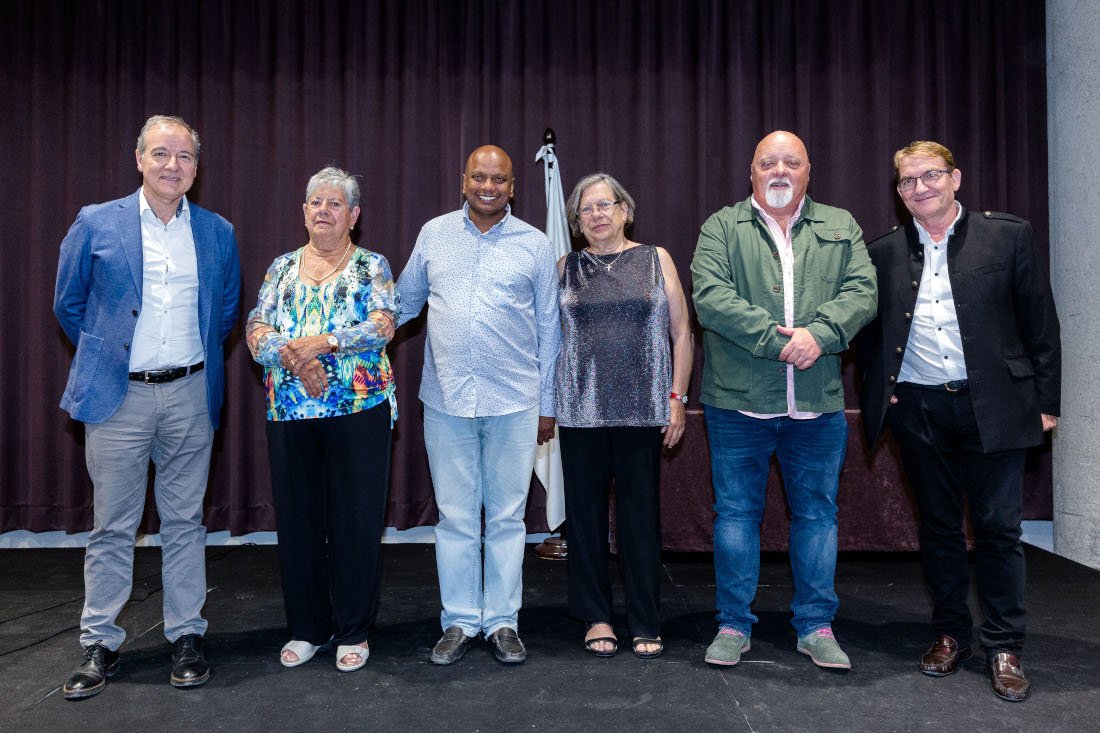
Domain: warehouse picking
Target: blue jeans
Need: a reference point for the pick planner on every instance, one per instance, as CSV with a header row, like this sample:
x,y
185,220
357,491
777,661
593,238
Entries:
x,y
480,462
810,455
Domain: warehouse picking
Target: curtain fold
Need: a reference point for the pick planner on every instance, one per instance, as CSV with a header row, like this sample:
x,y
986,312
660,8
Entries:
x,y
671,97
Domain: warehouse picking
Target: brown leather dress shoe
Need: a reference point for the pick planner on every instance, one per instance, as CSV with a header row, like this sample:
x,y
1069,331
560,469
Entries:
x,y
943,657
1008,678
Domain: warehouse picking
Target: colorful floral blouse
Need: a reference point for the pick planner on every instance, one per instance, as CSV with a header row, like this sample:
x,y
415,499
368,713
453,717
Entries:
x,y
359,308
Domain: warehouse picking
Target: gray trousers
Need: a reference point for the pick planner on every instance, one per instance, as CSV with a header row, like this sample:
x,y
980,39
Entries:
x,y
170,424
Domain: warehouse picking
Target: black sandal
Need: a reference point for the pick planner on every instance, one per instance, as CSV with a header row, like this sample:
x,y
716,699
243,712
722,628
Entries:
x,y
640,640
596,652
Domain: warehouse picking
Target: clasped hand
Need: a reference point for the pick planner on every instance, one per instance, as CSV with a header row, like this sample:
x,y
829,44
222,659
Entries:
x,y
802,350
299,356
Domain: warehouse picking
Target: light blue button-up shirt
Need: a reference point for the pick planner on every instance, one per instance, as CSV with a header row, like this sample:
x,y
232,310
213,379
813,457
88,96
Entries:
x,y
493,324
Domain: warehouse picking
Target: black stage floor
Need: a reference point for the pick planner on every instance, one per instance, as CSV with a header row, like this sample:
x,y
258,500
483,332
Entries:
x,y
881,624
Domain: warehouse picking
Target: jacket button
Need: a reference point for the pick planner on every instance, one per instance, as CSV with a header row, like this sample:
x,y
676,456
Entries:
x,y
898,351
780,370
135,313
916,284
908,316
126,347
775,288
892,380
836,236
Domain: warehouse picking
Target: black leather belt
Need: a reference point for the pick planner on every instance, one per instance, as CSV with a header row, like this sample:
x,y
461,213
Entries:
x,y
160,376
956,386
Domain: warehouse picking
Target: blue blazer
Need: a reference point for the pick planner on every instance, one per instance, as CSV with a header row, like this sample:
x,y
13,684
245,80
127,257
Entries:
x,y
98,297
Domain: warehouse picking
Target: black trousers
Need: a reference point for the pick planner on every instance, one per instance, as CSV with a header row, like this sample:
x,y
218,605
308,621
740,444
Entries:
x,y
590,459
329,477
942,455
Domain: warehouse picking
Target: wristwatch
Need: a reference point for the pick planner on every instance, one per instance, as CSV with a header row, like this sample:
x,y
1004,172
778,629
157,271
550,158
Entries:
x,y
333,343
682,397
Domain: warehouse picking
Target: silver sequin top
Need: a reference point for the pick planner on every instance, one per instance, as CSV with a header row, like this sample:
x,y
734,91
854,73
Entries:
x,y
615,366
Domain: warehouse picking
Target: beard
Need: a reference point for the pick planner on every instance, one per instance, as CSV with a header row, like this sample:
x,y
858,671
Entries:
x,y
777,198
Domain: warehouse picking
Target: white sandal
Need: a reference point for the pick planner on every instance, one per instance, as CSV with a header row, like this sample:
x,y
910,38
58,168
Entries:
x,y
303,649
344,650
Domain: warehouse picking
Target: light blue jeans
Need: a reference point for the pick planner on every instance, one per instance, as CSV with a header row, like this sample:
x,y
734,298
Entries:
x,y
480,462
810,454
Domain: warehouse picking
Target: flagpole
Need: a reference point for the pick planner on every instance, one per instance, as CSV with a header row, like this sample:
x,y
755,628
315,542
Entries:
x,y
548,459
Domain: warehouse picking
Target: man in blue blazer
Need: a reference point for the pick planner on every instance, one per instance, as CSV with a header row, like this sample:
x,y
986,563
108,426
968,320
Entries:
x,y
148,288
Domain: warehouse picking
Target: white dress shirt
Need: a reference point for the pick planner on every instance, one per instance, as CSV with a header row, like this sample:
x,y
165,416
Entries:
x,y
934,352
167,333
782,241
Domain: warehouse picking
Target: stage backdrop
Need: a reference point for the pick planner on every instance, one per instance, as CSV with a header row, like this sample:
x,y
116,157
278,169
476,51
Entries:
x,y
670,97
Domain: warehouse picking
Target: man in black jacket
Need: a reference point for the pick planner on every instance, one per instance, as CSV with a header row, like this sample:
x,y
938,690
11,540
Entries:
x,y
963,364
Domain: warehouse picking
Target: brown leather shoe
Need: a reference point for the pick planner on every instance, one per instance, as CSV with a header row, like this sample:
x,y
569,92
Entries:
x,y
943,657
1009,682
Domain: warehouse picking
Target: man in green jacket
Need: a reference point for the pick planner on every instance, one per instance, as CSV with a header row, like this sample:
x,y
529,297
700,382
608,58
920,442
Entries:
x,y
781,286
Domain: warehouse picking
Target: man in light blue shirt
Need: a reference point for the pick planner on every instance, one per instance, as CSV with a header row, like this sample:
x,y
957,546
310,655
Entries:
x,y
490,283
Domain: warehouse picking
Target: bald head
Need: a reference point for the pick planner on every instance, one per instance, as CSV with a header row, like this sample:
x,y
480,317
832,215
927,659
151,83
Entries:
x,y
487,155
781,140
780,173
487,185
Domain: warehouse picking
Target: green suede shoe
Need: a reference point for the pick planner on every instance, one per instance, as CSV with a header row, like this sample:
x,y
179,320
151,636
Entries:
x,y
822,648
727,647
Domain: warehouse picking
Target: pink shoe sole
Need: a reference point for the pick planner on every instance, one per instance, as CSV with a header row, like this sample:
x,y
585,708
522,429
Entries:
x,y
823,664
724,663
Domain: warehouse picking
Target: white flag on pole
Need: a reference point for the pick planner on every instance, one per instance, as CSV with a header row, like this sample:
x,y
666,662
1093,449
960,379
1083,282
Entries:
x,y
547,456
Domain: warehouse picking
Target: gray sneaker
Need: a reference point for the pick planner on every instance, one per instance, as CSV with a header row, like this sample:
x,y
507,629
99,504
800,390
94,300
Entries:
x,y
822,648
727,647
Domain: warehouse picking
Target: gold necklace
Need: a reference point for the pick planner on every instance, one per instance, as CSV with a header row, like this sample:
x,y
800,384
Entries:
x,y
334,269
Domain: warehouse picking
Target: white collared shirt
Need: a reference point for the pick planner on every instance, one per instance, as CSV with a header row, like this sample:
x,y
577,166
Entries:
x,y
782,241
934,352
167,333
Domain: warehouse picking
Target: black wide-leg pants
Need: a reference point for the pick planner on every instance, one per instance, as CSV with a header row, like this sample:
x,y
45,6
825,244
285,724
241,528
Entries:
x,y
329,477
591,458
942,454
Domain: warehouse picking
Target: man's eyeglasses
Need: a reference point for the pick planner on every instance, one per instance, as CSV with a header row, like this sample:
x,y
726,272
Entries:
x,y
603,207
929,177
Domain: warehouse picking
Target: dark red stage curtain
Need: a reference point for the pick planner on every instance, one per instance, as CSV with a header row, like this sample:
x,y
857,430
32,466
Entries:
x,y
670,97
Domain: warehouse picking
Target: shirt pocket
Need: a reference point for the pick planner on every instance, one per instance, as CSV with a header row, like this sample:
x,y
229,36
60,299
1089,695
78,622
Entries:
x,y
833,249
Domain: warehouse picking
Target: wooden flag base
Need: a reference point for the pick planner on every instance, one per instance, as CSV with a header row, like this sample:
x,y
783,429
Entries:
x,y
553,548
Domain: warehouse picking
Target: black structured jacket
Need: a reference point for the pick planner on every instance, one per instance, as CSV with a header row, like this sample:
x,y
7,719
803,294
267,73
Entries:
x,y
1007,320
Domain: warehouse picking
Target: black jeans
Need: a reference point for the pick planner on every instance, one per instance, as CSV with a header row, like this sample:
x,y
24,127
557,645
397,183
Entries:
x,y
591,458
943,458
329,477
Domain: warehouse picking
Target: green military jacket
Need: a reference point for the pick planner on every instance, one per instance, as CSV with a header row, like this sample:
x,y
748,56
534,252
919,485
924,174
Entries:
x,y
737,283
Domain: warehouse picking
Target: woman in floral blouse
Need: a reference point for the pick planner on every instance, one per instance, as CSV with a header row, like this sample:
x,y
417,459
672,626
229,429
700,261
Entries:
x,y
320,328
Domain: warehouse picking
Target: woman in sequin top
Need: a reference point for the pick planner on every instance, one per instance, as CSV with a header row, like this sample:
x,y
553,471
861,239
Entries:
x,y
619,397
320,327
